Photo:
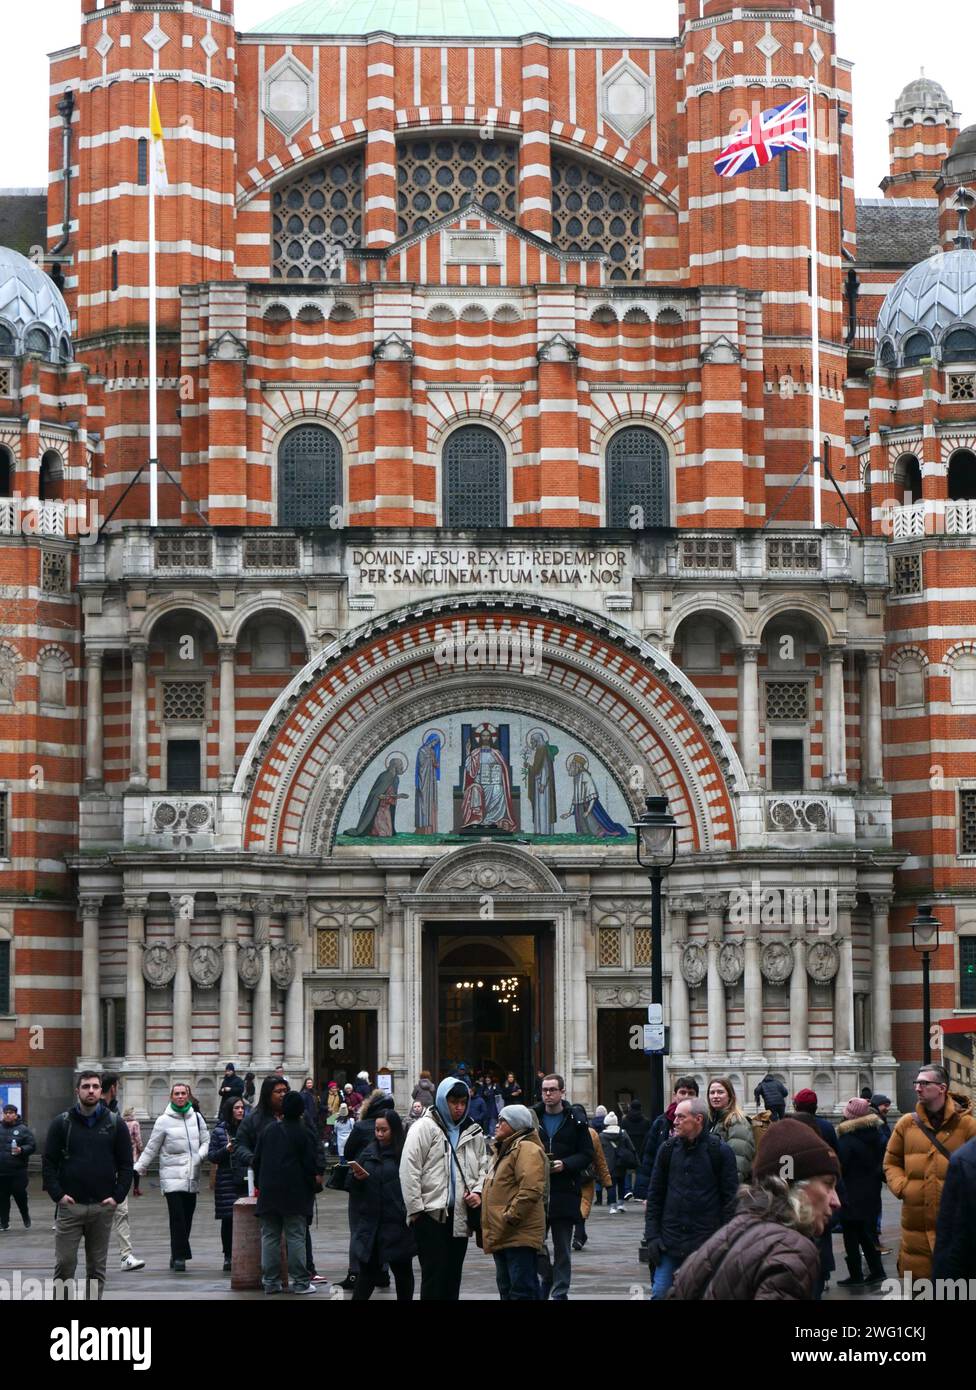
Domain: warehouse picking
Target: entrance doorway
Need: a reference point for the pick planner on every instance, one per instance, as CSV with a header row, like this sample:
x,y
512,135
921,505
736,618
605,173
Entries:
x,y
488,998
345,1044
623,1072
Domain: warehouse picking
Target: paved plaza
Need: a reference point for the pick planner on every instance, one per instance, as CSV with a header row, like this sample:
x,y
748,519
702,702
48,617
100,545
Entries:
x,y
606,1269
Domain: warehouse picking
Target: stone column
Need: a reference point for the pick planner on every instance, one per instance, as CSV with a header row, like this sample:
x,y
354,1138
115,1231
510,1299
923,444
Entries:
x,y
679,1014
844,981
753,997
581,1052
834,719
261,1000
881,978
182,986
138,726
94,726
717,1035
91,1047
799,1002
394,924
229,910
228,717
135,1005
748,741
873,767
294,999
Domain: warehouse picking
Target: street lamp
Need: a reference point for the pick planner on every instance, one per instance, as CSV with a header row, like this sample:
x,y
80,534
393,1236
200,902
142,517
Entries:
x,y
656,850
925,940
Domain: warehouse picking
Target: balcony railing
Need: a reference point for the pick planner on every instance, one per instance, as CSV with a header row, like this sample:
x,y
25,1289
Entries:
x,y
934,519
31,518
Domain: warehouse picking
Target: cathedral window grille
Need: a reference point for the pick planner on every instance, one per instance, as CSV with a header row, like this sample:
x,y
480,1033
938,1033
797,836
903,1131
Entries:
x,y
5,379
786,702
609,948
317,218
38,341
593,211
959,346
917,349
327,950
309,476
708,553
907,575
437,177
142,162
793,553
637,480
474,479
185,700
642,948
271,552
967,820
55,575
962,386
967,972
364,949
4,824
8,345
184,552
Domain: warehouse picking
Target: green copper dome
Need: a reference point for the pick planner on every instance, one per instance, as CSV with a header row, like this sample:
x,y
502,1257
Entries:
x,y
440,19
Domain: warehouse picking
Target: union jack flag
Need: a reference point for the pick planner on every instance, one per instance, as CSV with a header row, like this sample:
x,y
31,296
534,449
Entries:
x,y
768,134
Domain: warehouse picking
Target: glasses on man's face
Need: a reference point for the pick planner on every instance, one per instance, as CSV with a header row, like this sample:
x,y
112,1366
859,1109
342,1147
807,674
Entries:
x,y
920,1083
550,1090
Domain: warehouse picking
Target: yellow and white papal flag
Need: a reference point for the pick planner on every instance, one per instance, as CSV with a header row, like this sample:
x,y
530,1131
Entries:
x,y
158,145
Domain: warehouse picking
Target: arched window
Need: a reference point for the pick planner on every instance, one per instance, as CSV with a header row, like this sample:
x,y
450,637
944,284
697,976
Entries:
x,y
908,478
962,476
917,348
115,270
964,679
270,647
309,476
909,683
436,177
8,344
316,218
959,346
6,473
53,678
637,477
474,479
887,358
51,472
38,341
593,211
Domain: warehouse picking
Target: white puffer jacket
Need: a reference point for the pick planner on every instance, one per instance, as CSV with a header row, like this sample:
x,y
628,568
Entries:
x,y
426,1164
181,1141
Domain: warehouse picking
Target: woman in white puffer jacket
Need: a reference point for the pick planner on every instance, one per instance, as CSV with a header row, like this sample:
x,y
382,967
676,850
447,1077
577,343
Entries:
x,y
180,1138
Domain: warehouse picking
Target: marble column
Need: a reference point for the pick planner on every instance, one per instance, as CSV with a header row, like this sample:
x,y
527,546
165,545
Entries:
x,y
717,1032
135,1005
873,770
748,741
753,998
394,926
294,999
182,986
229,983
91,1047
679,1014
94,726
800,1003
261,999
582,1065
844,980
881,978
834,720
228,718
138,718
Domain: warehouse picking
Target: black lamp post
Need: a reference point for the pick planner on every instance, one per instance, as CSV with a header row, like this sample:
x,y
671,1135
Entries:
x,y
656,849
925,940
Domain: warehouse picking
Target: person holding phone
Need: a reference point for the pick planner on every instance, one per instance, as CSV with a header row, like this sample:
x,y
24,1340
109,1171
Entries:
x,y
381,1234
228,1183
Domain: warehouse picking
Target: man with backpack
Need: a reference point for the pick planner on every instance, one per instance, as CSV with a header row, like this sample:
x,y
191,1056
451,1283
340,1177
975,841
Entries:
x,y
87,1169
692,1193
771,1094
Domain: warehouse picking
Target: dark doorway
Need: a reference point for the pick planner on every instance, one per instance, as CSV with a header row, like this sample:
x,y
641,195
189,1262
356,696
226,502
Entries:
x,y
345,1044
623,1072
183,765
488,998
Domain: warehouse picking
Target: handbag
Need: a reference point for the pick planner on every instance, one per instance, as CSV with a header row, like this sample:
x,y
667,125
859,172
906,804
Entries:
x,y
473,1214
337,1179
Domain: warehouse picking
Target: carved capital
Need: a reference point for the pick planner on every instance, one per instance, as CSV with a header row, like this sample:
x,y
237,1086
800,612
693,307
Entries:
x,y
89,905
136,905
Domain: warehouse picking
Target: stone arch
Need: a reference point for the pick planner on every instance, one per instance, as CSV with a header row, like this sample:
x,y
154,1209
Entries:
x,y
281,606
690,607
823,626
200,607
438,432
477,869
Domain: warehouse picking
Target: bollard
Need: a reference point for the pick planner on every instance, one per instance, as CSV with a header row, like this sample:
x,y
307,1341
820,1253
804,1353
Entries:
x,y
245,1270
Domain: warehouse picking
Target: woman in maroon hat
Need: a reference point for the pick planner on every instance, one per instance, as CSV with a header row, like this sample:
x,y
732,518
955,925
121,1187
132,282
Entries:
x,y
768,1251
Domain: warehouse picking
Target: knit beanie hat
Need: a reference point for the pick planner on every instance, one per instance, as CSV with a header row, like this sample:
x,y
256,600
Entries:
x,y
806,1100
518,1116
811,1156
343,1112
609,1119
879,1098
855,1108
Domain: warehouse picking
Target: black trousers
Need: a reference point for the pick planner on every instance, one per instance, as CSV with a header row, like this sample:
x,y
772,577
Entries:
x,y
181,1206
14,1186
441,1254
858,1236
227,1235
402,1271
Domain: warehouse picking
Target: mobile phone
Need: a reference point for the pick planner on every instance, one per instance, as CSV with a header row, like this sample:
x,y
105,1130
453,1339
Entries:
x,y
358,1168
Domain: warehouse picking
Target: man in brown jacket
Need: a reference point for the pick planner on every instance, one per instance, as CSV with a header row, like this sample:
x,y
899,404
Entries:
x,y
513,1214
917,1161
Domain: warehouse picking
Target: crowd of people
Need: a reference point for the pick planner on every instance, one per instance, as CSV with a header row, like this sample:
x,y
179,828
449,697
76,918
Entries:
x,y
736,1206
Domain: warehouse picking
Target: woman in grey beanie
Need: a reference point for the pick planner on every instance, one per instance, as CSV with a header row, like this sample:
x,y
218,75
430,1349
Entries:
x,y
518,1117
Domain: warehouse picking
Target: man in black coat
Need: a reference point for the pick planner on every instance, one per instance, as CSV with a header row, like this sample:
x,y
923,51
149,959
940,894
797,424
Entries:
x,y
685,1087
285,1168
17,1143
771,1094
955,1233
232,1084
637,1126
692,1193
567,1141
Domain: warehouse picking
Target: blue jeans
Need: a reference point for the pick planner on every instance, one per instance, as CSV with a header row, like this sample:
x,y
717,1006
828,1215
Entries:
x,y
515,1274
664,1276
273,1226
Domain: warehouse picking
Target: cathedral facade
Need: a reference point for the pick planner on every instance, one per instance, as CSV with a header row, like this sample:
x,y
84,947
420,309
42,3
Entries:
x,y
485,512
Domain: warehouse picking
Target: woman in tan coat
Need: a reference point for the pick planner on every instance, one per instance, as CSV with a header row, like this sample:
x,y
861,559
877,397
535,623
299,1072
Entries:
x,y
915,1169
513,1213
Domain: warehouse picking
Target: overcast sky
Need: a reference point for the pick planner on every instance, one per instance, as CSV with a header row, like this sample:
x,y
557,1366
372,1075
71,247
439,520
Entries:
x,y
883,38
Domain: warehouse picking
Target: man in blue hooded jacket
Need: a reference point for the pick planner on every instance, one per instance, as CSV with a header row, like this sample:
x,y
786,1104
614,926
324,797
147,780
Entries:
x,y
442,1170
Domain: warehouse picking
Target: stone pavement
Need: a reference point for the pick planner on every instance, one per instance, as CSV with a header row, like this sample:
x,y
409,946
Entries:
x,y
606,1269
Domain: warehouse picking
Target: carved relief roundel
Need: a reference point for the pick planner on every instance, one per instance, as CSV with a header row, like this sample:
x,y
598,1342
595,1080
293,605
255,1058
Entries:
x,y
282,967
823,961
206,965
731,962
694,964
249,965
776,963
159,965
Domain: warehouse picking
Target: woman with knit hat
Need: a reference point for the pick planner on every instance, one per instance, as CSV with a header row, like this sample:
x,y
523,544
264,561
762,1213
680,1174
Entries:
x,y
861,1149
768,1251
513,1216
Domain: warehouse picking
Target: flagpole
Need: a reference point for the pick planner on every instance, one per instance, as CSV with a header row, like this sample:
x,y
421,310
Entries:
x,y
153,386
814,298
